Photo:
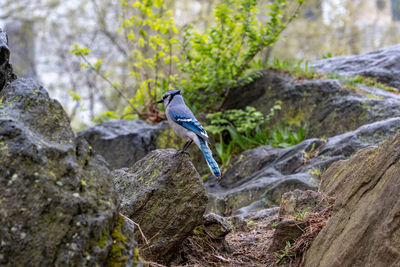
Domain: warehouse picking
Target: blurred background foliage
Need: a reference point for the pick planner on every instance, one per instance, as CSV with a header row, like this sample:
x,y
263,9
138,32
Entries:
x,y
108,59
43,32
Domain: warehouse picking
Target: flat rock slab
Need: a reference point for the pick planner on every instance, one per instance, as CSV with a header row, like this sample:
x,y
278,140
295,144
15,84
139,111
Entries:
x,y
216,227
299,202
260,176
164,194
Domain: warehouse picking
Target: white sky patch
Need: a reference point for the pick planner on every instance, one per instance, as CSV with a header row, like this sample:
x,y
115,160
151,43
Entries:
x,y
332,9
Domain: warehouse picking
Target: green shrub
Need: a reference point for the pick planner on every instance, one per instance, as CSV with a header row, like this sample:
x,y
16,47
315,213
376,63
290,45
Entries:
x,y
211,62
238,130
214,61
152,38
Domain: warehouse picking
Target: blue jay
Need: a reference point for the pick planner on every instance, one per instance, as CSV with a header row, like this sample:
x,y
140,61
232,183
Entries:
x,y
185,125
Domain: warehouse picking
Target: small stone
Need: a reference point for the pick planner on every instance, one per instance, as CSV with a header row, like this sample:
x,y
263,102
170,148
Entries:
x,y
14,229
217,227
74,246
288,230
75,194
22,235
59,183
240,224
36,174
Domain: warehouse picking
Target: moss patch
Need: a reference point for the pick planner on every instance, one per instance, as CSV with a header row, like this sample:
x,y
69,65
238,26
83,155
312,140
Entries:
x,y
103,241
168,139
115,257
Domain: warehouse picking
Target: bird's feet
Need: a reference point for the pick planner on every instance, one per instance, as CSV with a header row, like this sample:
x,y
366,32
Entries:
x,y
180,151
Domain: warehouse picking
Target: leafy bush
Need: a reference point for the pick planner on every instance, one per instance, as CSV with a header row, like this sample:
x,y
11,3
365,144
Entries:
x,y
211,62
215,60
239,130
151,35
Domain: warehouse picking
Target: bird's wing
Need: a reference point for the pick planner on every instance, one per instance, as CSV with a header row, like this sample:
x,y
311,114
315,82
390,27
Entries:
x,y
185,118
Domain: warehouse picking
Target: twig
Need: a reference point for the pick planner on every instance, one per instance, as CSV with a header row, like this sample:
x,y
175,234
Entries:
x,y
110,83
152,263
141,232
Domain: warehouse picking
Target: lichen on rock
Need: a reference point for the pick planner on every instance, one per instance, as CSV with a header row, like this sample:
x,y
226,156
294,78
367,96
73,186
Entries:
x,y
56,203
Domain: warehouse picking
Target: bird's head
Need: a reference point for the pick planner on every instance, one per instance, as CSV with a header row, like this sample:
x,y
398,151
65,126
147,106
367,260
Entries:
x,y
168,96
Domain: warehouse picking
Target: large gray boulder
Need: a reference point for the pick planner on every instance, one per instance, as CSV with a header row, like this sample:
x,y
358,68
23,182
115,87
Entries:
x,y
383,64
57,203
260,176
364,228
164,194
124,142
325,106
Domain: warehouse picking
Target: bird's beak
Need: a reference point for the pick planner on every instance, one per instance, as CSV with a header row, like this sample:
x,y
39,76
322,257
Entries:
x,y
160,101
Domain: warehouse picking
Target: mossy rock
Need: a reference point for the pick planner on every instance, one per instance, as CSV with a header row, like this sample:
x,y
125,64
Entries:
x,y
164,194
56,203
364,226
324,105
123,142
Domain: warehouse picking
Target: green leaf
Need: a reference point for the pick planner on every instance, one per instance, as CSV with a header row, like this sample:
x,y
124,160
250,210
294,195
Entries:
x,y
75,95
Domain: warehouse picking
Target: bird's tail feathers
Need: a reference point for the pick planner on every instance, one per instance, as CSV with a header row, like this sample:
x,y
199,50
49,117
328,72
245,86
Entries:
x,y
209,158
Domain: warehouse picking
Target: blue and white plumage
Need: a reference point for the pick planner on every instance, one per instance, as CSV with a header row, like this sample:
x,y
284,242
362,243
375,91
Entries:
x,y
185,125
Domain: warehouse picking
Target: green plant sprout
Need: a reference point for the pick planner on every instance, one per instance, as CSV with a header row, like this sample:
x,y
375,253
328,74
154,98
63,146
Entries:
x,y
316,171
239,130
300,216
214,61
298,69
284,254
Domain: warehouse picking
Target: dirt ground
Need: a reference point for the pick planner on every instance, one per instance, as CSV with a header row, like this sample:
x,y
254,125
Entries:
x,y
249,245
